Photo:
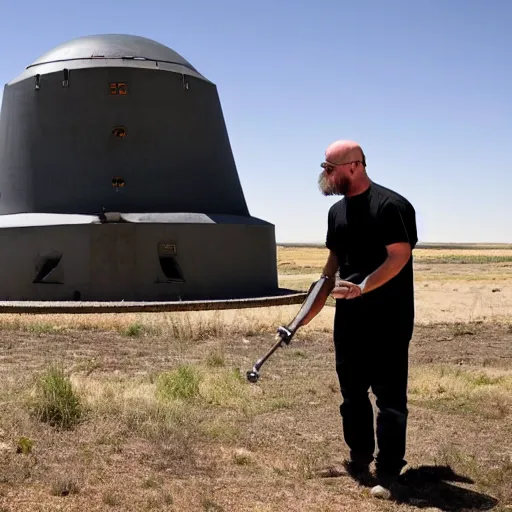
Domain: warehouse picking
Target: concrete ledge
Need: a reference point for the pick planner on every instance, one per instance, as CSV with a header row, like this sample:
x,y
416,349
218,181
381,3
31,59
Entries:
x,y
289,297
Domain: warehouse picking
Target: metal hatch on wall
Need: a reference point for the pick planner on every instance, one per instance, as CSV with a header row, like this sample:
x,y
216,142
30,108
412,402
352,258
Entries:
x,y
167,256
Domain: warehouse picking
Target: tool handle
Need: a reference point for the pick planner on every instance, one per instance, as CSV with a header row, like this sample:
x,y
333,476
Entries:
x,y
315,300
261,360
313,304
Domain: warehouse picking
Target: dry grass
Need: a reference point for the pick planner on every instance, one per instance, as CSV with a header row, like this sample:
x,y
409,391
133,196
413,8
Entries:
x,y
463,255
475,391
297,260
174,425
158,414
184,326
294,260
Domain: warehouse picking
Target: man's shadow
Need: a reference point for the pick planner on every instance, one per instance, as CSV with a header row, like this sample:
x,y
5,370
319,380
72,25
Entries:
x,y
429,486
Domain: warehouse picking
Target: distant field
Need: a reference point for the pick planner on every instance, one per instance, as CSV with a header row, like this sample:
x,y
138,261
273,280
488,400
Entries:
x,y
296,259
423,245
456,255
471,283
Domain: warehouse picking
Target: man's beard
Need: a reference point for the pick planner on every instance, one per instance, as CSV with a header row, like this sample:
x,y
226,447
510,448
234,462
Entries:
x,y
332,187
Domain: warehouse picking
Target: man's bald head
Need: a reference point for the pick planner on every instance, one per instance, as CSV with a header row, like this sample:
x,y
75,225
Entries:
x,y
342,151
344,169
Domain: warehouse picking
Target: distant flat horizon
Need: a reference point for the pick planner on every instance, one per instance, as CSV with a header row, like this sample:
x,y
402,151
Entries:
x,y
419,245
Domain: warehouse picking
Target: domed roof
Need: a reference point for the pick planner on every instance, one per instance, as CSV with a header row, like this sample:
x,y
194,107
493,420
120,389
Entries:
x,y
112,46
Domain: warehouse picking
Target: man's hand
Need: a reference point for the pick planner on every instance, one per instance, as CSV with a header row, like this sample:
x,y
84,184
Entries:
x,y
398,256
346,290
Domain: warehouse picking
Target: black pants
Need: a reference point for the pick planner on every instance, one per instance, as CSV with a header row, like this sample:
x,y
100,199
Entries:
x,y
372,353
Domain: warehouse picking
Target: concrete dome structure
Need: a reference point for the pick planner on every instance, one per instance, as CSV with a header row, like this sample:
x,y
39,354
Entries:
x,y
112,46
118,182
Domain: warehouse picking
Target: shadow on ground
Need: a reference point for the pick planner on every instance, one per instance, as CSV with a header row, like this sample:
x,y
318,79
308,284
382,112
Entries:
x,y
431,486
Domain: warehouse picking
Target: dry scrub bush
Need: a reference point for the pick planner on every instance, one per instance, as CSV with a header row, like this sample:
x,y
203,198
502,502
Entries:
x,y
55,400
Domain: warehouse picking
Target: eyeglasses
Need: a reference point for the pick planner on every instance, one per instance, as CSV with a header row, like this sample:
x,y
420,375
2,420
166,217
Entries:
x,y
330,166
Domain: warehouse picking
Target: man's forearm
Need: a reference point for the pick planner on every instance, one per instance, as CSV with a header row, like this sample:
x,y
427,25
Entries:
x,y
387,271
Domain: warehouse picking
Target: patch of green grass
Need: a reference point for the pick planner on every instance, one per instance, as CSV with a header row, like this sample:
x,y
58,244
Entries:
x,y
134,330
42,328
225,388
25,445
181,383
55,400
222,387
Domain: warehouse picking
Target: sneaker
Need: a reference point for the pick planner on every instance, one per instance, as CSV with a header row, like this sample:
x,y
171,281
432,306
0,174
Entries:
x,y
389,486
381,492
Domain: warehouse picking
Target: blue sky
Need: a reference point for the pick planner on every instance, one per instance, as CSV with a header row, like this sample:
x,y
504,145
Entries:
x,y
424,86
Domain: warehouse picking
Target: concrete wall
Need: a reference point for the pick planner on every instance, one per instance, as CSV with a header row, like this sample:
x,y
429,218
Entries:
x,y
122,261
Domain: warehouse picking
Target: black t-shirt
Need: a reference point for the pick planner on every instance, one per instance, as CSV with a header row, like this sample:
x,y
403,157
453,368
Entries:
x,y
359,229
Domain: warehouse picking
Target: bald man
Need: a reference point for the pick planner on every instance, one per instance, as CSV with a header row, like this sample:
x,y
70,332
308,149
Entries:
x,y
371,230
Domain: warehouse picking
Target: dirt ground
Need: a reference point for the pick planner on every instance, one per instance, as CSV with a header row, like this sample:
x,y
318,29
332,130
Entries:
x,y
273,446
164,418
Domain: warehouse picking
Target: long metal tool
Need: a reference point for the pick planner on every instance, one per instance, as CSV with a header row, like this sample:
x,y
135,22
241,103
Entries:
x,y
315,300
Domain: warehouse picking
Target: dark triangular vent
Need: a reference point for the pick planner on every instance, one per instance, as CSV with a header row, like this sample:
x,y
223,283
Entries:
x,y
171,268
48,270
